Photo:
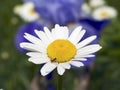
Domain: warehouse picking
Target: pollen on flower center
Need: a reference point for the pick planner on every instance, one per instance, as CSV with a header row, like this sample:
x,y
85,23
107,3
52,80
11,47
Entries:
x,y
32,11
61,51
104,14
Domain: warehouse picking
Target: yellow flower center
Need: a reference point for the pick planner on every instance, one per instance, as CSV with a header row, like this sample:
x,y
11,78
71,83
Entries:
x,y
104,14
32,11
61,51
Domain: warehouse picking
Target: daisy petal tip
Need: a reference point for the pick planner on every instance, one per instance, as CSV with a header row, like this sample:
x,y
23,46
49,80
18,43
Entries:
x,y
84,30
29,60
21,45
43,73
69,67
25,34
45,28
94,36
36,30
60,70
27,54
57,25
82,65
61,74
100,47
80,27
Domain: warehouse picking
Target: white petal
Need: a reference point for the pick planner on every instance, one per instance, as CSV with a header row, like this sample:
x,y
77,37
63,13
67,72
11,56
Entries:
x,y
48,34
76,63
65,65
79,37
111,13
79,59
38,60
47,68
89,49
60,70
60,32
86,41
53,32
33,39
32,47
84,56
36,54
75,34
43,37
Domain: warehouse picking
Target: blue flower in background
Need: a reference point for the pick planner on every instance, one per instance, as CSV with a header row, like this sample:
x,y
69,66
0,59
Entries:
x,y
58,11
98,25
29,28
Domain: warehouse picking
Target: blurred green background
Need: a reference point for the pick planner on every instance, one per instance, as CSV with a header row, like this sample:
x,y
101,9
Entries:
x,y
16,72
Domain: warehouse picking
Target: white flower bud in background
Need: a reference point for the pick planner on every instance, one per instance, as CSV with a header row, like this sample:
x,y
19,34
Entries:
x,y
86,8
96,3
105,12
26,12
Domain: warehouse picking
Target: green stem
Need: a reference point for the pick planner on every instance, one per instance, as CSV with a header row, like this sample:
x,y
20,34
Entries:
x,y
60,78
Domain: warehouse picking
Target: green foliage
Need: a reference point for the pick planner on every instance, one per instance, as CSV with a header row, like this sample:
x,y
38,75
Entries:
x,y
105,75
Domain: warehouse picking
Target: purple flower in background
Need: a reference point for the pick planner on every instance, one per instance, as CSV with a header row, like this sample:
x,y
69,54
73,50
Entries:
x,y
98,25
29,28
58,11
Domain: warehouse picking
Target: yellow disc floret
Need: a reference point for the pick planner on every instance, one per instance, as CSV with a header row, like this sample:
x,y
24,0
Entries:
x,y
104,14
32,11
61,51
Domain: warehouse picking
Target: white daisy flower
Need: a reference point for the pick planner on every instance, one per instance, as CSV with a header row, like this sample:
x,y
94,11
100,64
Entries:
x,y
58,49
105,12
86,8
96,3
26,12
